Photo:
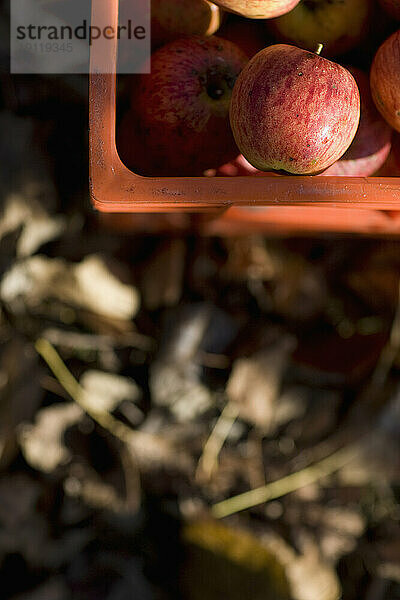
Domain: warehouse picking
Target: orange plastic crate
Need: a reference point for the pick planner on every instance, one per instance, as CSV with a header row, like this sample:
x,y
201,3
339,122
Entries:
x,y
234,205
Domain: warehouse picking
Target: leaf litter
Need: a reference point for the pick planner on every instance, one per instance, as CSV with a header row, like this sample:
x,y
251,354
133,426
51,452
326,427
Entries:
x,y
145,379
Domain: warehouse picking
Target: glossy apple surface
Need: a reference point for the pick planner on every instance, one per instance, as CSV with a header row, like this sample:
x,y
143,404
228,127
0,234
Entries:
x,y
293,110
371,145
171,19
258,9
339,25
181,109
385,80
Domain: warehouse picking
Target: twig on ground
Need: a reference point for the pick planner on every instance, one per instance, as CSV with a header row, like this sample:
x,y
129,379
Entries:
x,y
147,446
89,341
285,485
209,458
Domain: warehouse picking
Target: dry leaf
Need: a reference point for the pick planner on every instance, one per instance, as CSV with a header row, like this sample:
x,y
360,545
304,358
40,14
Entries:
x,y
255,382
310,578
99,290
105,391
37,226
42,442
89,285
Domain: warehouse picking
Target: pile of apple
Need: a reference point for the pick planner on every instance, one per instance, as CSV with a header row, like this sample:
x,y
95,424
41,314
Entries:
x,y
265,95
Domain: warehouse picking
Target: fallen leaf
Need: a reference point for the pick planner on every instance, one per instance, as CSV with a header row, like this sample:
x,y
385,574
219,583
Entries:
x,y
89,285
255,382
105,391
37,226
309,576
100,291
42,442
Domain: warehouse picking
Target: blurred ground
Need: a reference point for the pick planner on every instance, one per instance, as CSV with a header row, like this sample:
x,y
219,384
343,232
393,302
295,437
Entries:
x,y
144,379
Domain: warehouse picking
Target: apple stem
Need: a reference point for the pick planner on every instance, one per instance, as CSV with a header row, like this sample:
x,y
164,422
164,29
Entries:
x,y
318,49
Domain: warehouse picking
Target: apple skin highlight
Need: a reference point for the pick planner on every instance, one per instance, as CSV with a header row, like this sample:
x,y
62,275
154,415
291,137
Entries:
x,y
293,110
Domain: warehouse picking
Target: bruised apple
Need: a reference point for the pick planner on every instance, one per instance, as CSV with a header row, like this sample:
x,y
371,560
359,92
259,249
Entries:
x,y
181,110
371,145
339,25
293,110
385,80
258,9
171,19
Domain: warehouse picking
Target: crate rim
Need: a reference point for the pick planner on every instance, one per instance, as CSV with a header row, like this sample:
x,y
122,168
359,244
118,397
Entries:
x,y
114,188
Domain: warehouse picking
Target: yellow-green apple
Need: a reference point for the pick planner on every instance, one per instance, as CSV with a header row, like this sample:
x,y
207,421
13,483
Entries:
x,y
371,145
385,80
181,109
250,36
171,19
293,110
258,9
338,24
392,8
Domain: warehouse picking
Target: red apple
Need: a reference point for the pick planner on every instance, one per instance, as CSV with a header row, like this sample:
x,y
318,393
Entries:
x,y
391,7
371,145
250,36
385,80
258,9
181,109
238,166
171,19
339,25
293,110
